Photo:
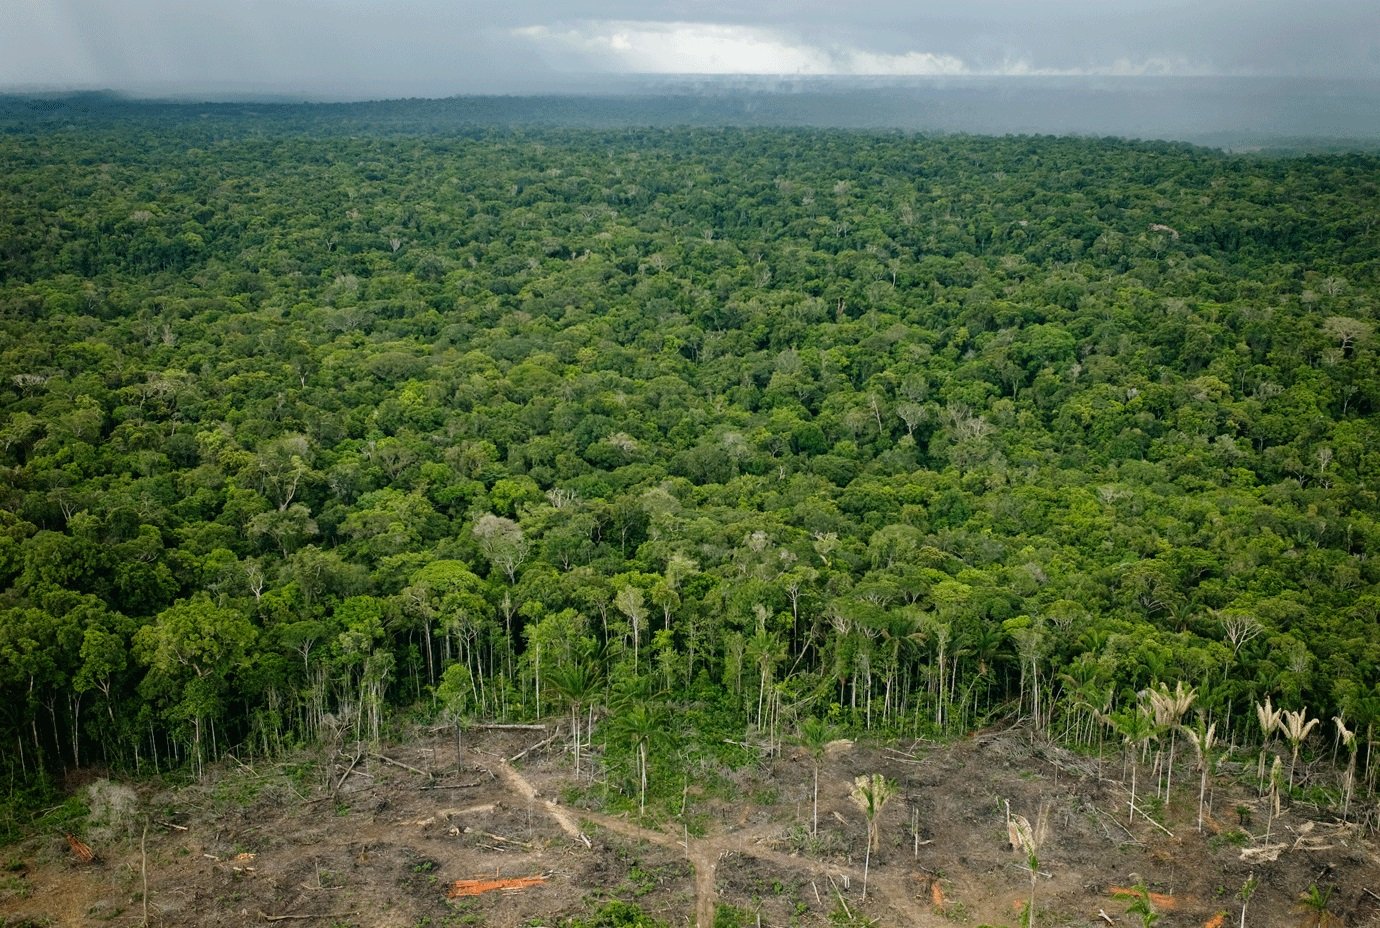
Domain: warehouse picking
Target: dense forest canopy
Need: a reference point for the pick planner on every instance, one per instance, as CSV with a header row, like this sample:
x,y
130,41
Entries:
x,y
757,425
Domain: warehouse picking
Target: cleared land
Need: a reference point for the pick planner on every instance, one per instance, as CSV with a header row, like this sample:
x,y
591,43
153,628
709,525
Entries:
x,y
383,842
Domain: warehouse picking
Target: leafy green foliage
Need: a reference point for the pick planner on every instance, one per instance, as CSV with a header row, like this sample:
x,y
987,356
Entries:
x,y
616,915
301,419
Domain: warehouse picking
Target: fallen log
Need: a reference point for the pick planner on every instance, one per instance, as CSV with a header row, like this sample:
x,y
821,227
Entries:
x,y
536,747
510,727
282,918
478,887
81,849
346,775
502,840
398,763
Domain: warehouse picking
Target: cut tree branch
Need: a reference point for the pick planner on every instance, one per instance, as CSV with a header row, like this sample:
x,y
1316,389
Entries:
x,y
536,747
283,918
398,763
513,727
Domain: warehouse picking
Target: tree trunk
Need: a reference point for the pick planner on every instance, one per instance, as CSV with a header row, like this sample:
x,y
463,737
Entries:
x,y
1202,792
642,773
76,731
575,732
1131,817
867,862
1169,770
1034,877
814,811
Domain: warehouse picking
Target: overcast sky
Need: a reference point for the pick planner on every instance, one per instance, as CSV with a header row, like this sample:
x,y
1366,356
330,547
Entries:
x,y
386,48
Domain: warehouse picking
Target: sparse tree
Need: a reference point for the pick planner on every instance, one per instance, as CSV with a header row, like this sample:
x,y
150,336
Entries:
x,y
1244,894
870,794
1347,738
1142,908
631,602
576,683
1296,728
815,735
1028,839
1269,719
1167,709
1240,630
1204,741
1276,777
1135,727
1312,906
1346,330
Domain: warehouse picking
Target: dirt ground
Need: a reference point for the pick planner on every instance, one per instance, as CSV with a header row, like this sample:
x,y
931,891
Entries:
x,y
379,841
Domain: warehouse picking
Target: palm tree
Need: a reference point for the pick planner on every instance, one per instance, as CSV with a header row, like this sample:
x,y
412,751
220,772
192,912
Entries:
x,y
929,629
1142,908
985,641
1296,727
1135,727
1312,905
1269,719
577,684
1203,741
641,724
1027,838
1168,709
454,691
870,794
1244,894
815,735
1082,686
1276,775
1348,739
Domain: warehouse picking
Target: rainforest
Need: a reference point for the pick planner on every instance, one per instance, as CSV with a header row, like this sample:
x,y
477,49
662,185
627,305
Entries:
x,y
690,440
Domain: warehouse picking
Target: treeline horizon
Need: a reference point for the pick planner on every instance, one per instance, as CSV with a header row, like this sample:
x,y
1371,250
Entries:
x,y
743,427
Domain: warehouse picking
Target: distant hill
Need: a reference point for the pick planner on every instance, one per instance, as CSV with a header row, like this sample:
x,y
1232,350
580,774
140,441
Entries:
x,y
1235,113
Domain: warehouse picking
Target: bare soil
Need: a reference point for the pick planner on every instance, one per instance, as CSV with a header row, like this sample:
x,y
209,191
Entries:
x,y
379,844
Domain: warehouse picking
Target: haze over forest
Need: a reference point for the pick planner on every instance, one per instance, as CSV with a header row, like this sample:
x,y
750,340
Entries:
x,y
1222,72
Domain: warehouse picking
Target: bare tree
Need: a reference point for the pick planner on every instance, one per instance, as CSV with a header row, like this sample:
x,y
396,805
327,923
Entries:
x,y
1241,629
1346,330
502,543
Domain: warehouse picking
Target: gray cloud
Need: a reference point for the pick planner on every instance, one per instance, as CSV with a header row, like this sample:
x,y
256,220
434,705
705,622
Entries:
x,y
358,48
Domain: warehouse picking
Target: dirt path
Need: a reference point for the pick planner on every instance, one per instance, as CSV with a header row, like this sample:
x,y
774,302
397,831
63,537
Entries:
x,y
704,855
706,892
525,788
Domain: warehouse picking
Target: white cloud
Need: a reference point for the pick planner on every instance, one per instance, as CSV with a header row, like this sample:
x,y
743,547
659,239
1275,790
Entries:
x,y
712,48
1121,67
648,47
